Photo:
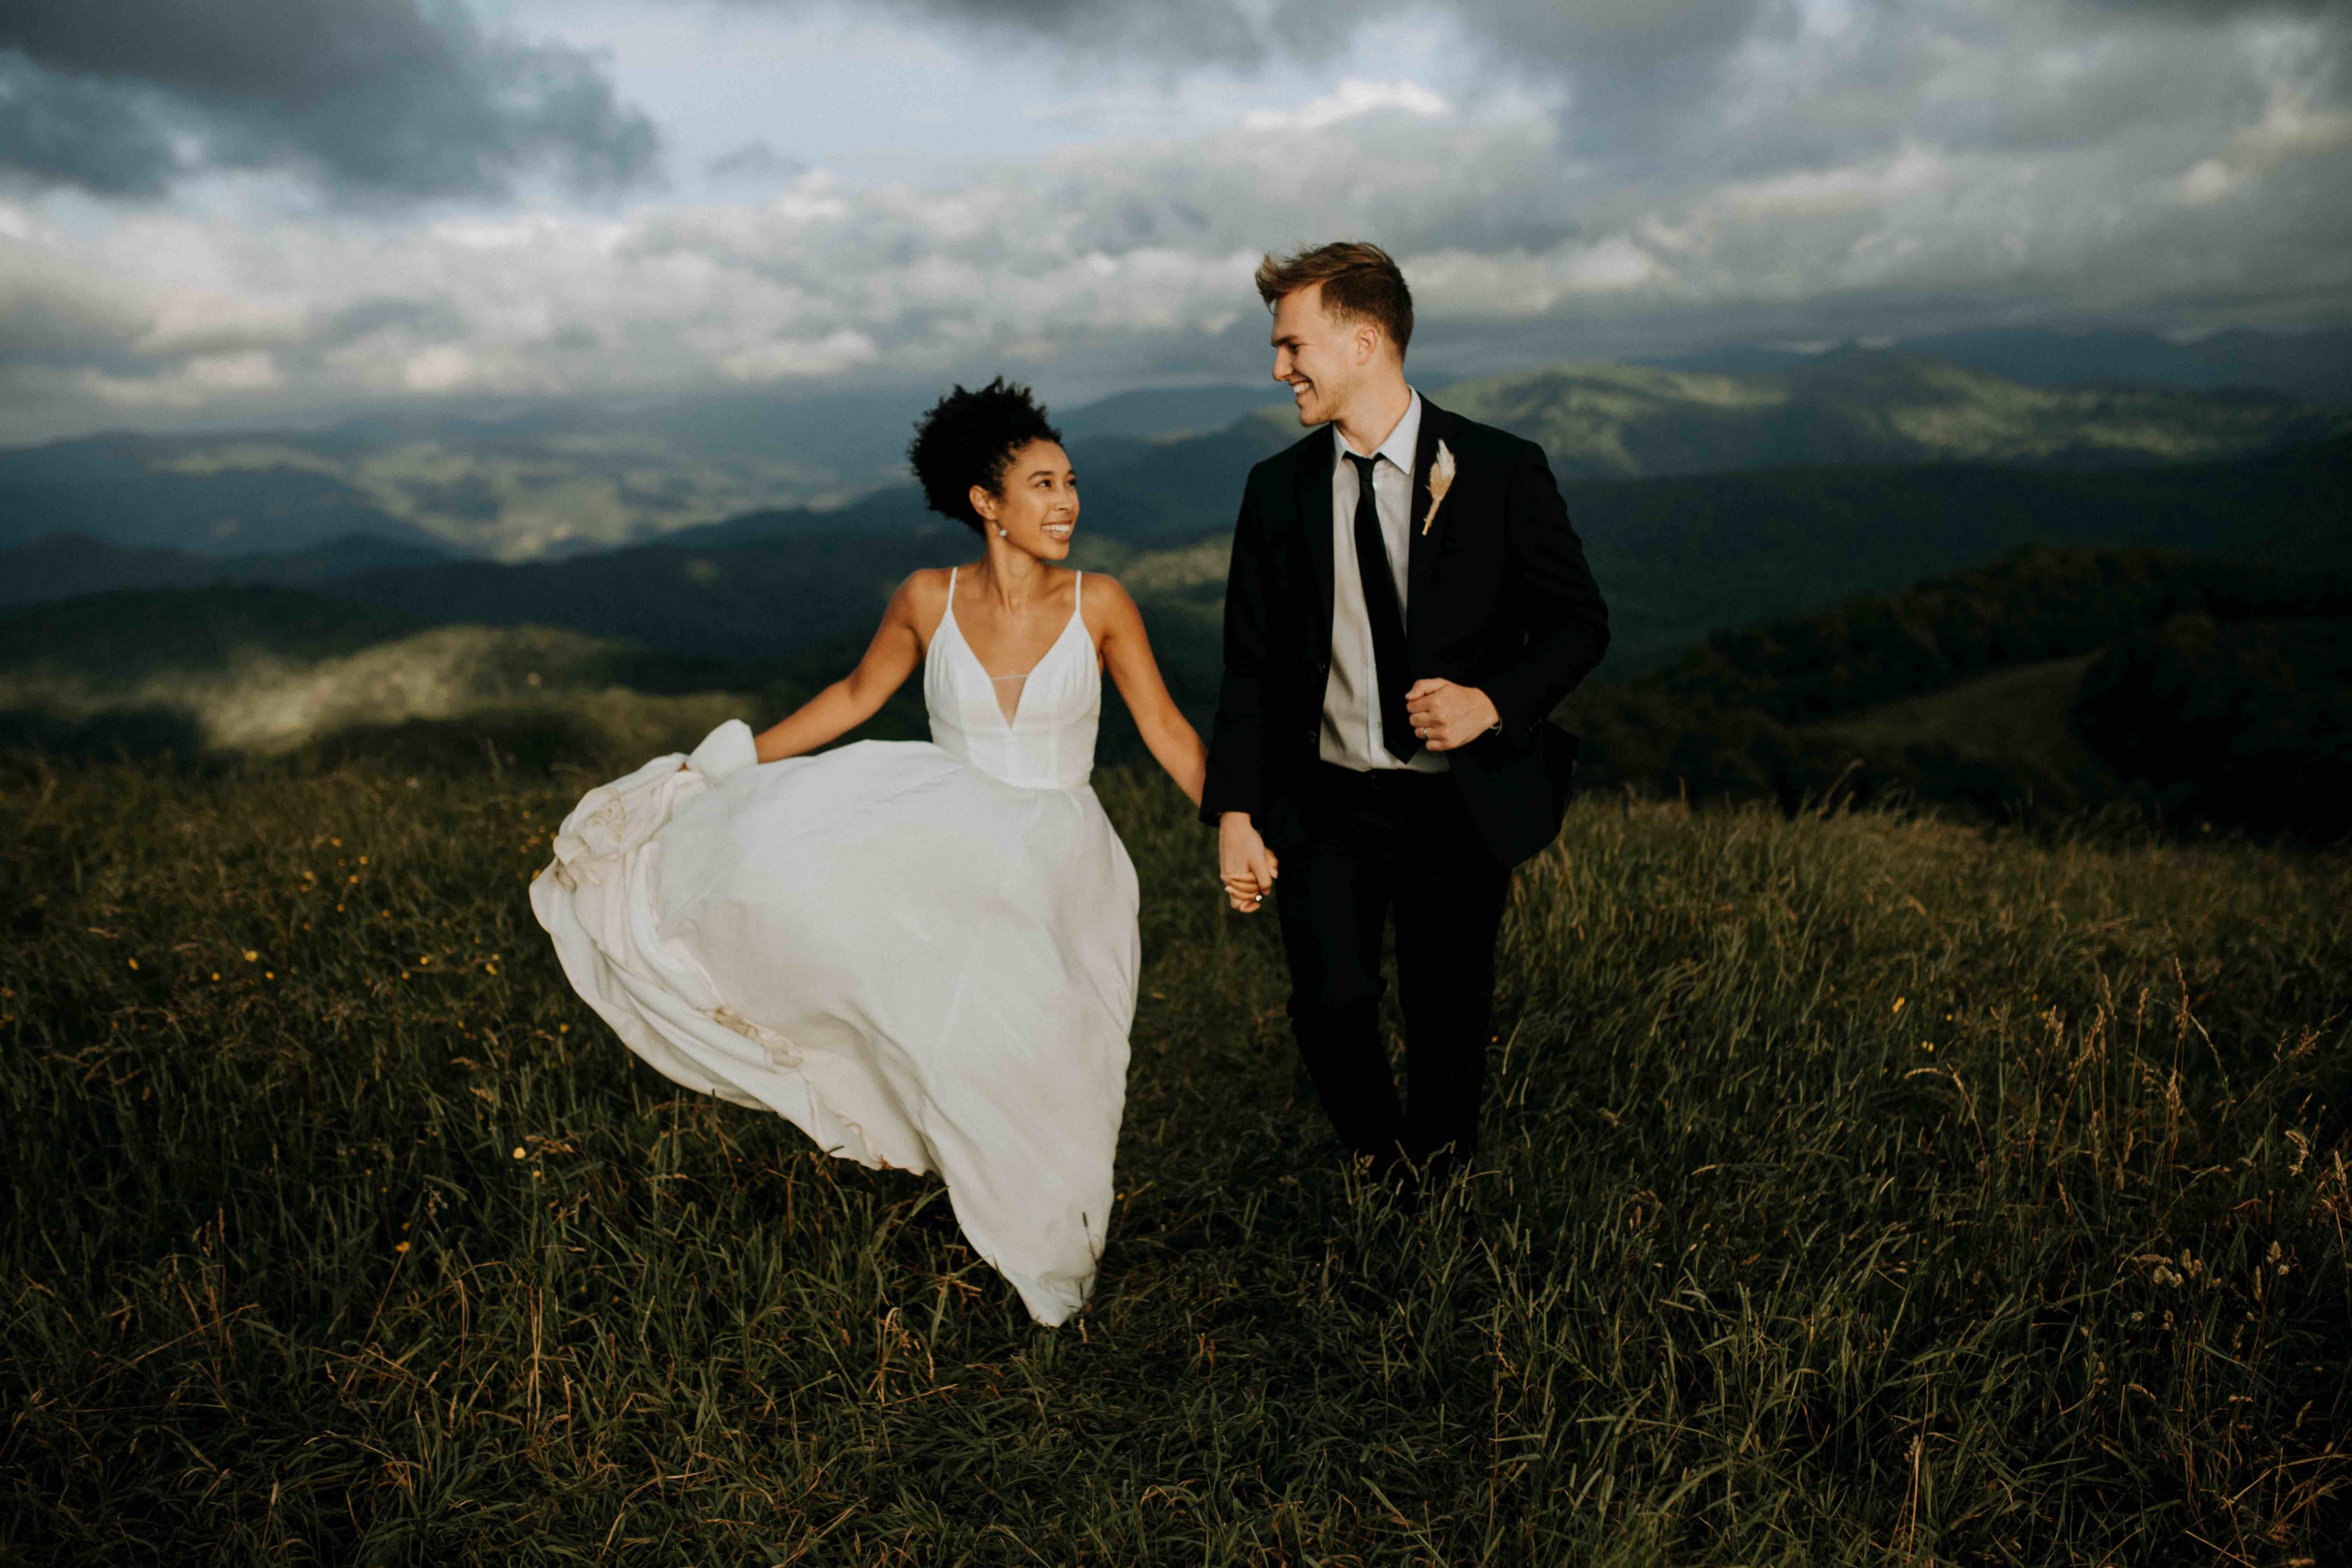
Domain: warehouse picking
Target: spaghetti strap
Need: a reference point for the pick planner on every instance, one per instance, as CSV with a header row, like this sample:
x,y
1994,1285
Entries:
x,y
1078,591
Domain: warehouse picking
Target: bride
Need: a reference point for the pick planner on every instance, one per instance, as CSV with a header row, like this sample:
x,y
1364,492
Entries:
x,y
921,953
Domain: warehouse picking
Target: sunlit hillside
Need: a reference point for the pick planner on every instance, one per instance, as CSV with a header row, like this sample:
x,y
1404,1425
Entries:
x,y
1864,407
262,702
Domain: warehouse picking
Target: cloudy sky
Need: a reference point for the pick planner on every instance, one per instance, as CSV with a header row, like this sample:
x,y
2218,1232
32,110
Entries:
x,y
241,211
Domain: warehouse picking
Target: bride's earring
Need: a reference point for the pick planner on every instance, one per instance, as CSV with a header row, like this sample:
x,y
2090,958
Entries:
x,y
1000,533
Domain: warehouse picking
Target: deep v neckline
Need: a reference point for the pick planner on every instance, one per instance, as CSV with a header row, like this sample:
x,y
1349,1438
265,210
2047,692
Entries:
x,y
1013,720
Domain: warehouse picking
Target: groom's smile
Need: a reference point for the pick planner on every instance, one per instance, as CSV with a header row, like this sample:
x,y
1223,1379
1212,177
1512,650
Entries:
x,y
1313,409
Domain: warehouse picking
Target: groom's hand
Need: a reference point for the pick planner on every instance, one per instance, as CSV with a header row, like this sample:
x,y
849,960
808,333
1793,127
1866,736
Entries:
x,y
1446,716
1245,864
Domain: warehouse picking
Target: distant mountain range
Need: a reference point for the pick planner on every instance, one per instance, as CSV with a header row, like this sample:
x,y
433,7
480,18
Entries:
x,y
1866,406
2313,366
581,478
559,480
1678,558
1881,408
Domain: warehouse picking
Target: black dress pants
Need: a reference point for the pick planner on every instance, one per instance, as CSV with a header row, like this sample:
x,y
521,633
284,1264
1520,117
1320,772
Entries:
x,y
1377,843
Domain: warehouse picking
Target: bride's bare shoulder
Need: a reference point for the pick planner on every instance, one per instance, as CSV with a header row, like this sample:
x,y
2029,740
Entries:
x,y
1108,604
924,589
1102,585
920,604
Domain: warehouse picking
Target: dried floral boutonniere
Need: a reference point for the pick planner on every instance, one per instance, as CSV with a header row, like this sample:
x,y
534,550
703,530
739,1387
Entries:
x,y
1441,479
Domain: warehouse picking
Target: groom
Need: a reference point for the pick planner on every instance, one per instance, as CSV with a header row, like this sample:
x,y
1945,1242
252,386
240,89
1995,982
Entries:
x,y
1406,603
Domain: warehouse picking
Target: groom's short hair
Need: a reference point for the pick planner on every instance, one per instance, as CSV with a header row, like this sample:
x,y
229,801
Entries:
x,y
1360,283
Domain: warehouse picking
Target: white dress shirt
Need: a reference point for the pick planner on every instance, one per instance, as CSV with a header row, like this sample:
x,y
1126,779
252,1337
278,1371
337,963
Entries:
x,y
1351,735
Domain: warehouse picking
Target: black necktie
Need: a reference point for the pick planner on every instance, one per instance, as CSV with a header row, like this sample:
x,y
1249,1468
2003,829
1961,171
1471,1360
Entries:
x,y
1380,609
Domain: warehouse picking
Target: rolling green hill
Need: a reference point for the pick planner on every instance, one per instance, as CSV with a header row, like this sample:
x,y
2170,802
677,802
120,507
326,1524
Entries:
x,y
2010,725
2185,690
261,671
1679,557
62,565
2240,721
2317,365
2032,605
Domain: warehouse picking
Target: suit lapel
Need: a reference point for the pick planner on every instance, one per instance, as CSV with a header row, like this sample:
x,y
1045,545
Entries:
x,y
1314,474
1421,551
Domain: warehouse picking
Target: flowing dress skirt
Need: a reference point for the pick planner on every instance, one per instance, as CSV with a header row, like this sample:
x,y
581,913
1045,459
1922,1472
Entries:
x,y
918,965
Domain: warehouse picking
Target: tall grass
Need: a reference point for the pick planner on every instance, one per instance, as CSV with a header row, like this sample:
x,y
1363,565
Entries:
x,y
1859,1189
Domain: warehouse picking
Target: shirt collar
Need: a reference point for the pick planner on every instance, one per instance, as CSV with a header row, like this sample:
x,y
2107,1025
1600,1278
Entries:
x,y
1399,447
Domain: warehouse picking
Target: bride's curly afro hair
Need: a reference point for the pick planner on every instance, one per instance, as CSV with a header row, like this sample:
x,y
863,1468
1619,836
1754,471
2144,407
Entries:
x,y
967,439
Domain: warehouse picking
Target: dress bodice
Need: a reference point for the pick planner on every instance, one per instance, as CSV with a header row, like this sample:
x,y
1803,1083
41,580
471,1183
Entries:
x,y
1049,742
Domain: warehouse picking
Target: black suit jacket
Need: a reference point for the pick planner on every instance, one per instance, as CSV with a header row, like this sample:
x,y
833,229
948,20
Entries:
x,y
1497,597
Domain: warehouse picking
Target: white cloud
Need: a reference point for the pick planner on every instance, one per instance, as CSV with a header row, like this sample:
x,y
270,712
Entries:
x,y
446,368
1467,286
253,371
783,358
196,321
2292,127
194,384
1351,99
1840,191
1840,159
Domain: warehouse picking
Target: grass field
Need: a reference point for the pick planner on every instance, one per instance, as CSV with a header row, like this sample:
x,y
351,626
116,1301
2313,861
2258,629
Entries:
x,y
1860,1190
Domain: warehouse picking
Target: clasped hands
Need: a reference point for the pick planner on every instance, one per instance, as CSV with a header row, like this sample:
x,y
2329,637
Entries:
x,y
1245,864
1444,716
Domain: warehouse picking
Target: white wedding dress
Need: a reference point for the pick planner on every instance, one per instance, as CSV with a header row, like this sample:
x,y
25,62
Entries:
x,y
921,953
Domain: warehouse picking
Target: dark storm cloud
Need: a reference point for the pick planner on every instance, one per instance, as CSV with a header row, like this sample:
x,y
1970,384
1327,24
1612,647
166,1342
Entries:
x,y
1618,31
1609,37
98,135
1203,31
383,98
2217,10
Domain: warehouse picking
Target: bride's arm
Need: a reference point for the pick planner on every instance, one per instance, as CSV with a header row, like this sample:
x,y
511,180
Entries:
x,y
849,702
1127,653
